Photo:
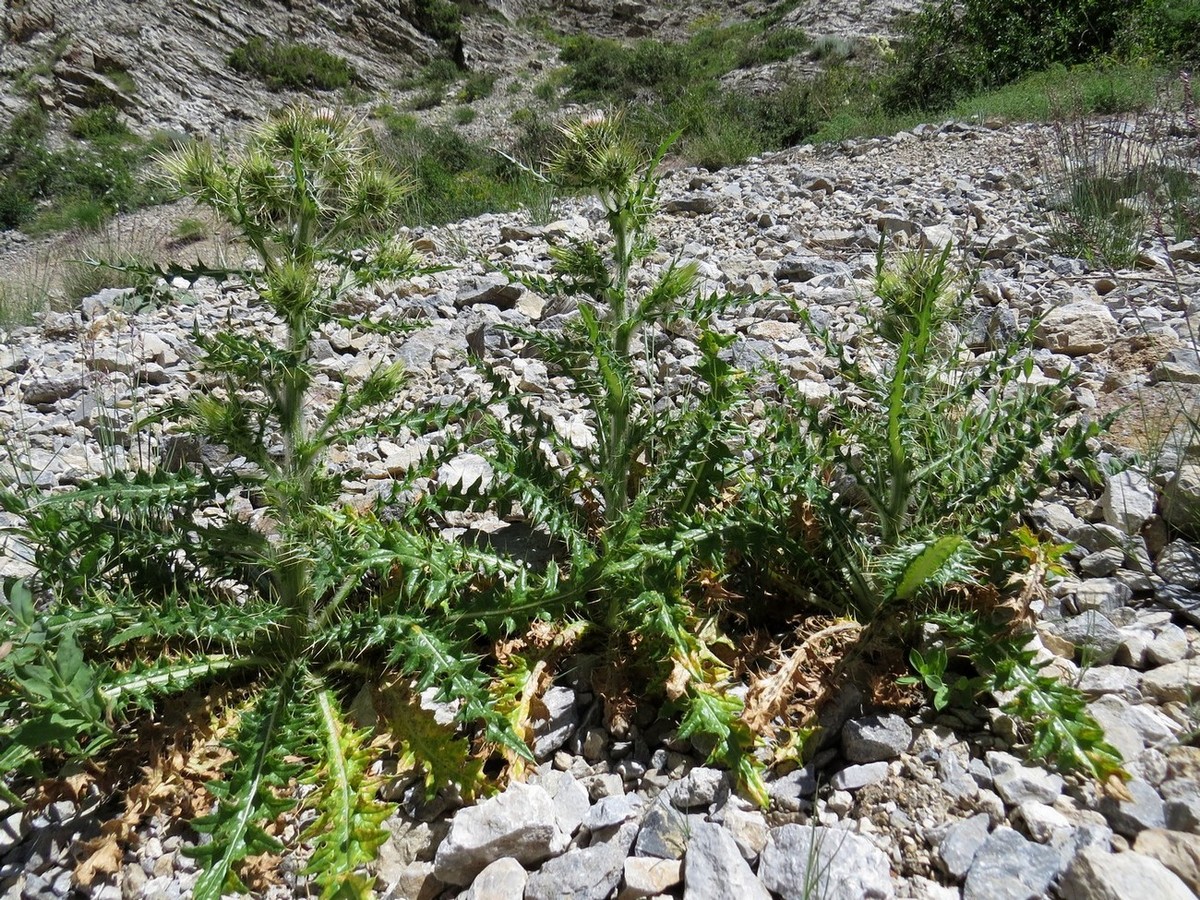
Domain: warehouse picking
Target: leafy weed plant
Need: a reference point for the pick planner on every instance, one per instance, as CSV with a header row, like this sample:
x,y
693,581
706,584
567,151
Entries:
x,y
150,586
892,500
634,502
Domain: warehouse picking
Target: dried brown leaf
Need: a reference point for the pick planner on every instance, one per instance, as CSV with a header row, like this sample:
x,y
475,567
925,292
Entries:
x,y
677,682
103,862
771,694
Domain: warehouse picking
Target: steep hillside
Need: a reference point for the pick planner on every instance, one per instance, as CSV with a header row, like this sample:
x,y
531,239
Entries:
x,y
165,63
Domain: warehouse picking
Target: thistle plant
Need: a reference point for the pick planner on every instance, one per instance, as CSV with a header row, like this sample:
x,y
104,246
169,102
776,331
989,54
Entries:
x,y
636,505
893,501
150,586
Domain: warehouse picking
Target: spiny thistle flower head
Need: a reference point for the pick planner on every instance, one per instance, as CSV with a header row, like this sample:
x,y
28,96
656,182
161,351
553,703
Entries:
x,y
596,155
305,163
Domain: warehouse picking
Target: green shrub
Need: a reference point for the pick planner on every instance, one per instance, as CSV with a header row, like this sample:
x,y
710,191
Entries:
x,y
1168,29
1117,186
79,185
601,68
123,252
440,19
477,86
291,66
952,49
775,45
456,178
464,115
438,72
428,99
102,123
24,295
188,231
547,88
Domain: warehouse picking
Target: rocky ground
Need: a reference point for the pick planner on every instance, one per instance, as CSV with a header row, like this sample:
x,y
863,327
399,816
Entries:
x,y
929,805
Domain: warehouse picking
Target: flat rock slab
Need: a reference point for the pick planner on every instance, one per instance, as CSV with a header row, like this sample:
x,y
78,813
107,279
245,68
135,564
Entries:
x,y
1098,875
520,823
841,865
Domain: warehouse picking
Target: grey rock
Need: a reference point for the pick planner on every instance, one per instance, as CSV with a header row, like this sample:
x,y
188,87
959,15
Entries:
x,y
1178,851
1059,521
875,738
1169,645
1017,783
699,787
520,823
646,876
664,832
960,844
1041,822
701,202
1181,366
1076,329
494,291
571,801
1181,498
791,790
801,268
1097,681
1098,536
1101,594
1093,634
749,830
1009,866
610,784
36,887
714,868
852,778
465,472
1097,875
1182,811
1128,817
847,866
1152,726
1181,601
52,389
585,873
13,830
417,879
503,879
1128,501
559,723
610,811
1179,563
1112,714
991,329
1102,562
1175,681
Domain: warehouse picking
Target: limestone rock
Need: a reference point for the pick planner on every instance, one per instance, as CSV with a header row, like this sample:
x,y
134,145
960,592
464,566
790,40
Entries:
x,y
585,873
1097,875
503,879
714,869
848,866
875,738
1178,851
1077,328
520,823
1128,500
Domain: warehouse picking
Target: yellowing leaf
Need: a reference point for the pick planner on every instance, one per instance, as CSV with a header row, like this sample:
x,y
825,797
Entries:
x,y
424,744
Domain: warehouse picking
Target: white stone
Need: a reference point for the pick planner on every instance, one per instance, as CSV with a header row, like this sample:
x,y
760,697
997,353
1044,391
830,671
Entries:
x,y
1128,501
